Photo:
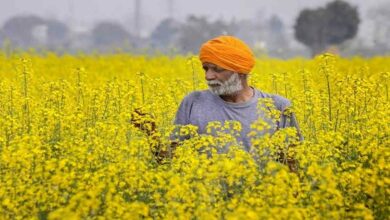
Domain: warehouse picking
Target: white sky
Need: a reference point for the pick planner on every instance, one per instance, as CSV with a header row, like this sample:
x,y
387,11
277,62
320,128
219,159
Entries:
x,y
88,12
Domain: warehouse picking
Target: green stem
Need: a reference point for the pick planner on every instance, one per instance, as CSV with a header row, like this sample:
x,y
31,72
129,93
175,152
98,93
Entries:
x,y
142,88
193,76
329,98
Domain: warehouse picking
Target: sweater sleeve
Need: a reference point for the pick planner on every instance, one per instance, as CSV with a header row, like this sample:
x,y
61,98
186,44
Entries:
x,y
184,111
287,117
182,117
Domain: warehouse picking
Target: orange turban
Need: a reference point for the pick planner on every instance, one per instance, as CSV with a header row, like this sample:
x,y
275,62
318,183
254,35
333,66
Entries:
x,y
229,53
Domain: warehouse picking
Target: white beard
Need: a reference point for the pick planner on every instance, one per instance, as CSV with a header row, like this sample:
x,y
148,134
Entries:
x,y
229,87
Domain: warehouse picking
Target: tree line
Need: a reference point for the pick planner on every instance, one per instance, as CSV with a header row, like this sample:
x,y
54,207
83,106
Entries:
x,y
317,29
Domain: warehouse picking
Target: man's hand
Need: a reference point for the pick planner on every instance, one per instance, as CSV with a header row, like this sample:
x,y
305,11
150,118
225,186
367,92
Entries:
x,y
291,162
146,123
143,121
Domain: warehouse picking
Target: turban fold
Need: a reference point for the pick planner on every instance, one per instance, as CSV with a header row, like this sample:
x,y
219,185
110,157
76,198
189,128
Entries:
x,y
229,53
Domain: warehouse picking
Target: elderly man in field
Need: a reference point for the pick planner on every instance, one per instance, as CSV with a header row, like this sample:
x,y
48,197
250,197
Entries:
x,y
227,62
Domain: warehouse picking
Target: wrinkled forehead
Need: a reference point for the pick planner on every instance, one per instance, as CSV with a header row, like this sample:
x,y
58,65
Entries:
x,y
210,65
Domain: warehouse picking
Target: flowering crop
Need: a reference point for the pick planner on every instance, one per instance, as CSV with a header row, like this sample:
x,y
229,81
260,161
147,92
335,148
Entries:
x,y
69,149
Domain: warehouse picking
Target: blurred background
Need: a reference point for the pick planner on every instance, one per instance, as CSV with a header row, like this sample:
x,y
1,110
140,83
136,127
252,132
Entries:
x,y
278,28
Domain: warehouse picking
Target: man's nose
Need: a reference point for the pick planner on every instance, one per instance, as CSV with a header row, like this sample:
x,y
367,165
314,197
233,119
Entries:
x,y
210,75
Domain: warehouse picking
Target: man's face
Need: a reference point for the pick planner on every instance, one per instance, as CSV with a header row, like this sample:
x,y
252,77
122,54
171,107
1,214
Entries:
x,y
222,81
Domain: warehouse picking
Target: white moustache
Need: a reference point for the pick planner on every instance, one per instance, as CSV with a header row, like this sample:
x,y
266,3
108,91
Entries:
x,y
214,82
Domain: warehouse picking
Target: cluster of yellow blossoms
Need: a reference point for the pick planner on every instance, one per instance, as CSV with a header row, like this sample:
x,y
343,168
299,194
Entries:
x,y
68,149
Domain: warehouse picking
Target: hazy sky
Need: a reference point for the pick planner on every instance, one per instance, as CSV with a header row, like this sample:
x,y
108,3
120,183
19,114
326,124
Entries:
x,y
88,12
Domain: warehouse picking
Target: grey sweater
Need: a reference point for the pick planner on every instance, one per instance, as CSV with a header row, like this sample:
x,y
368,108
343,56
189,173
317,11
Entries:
x,y
201,107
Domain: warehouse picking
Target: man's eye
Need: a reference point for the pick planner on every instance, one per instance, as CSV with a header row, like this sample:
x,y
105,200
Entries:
x,y
218,70
205,68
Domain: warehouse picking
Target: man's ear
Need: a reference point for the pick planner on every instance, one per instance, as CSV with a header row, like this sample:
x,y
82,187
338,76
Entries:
x,y
243,76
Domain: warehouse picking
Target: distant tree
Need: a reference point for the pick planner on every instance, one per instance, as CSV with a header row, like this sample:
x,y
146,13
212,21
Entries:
x,y
331,25
275,24
342,21
108,35
247,30
309,29
276,35
197,30
165,34
20,30
57,34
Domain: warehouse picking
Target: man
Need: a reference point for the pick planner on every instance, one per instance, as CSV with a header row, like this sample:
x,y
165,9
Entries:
x,y
227,62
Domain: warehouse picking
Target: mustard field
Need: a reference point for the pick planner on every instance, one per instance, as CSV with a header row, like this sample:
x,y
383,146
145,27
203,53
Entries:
x,y
69,148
